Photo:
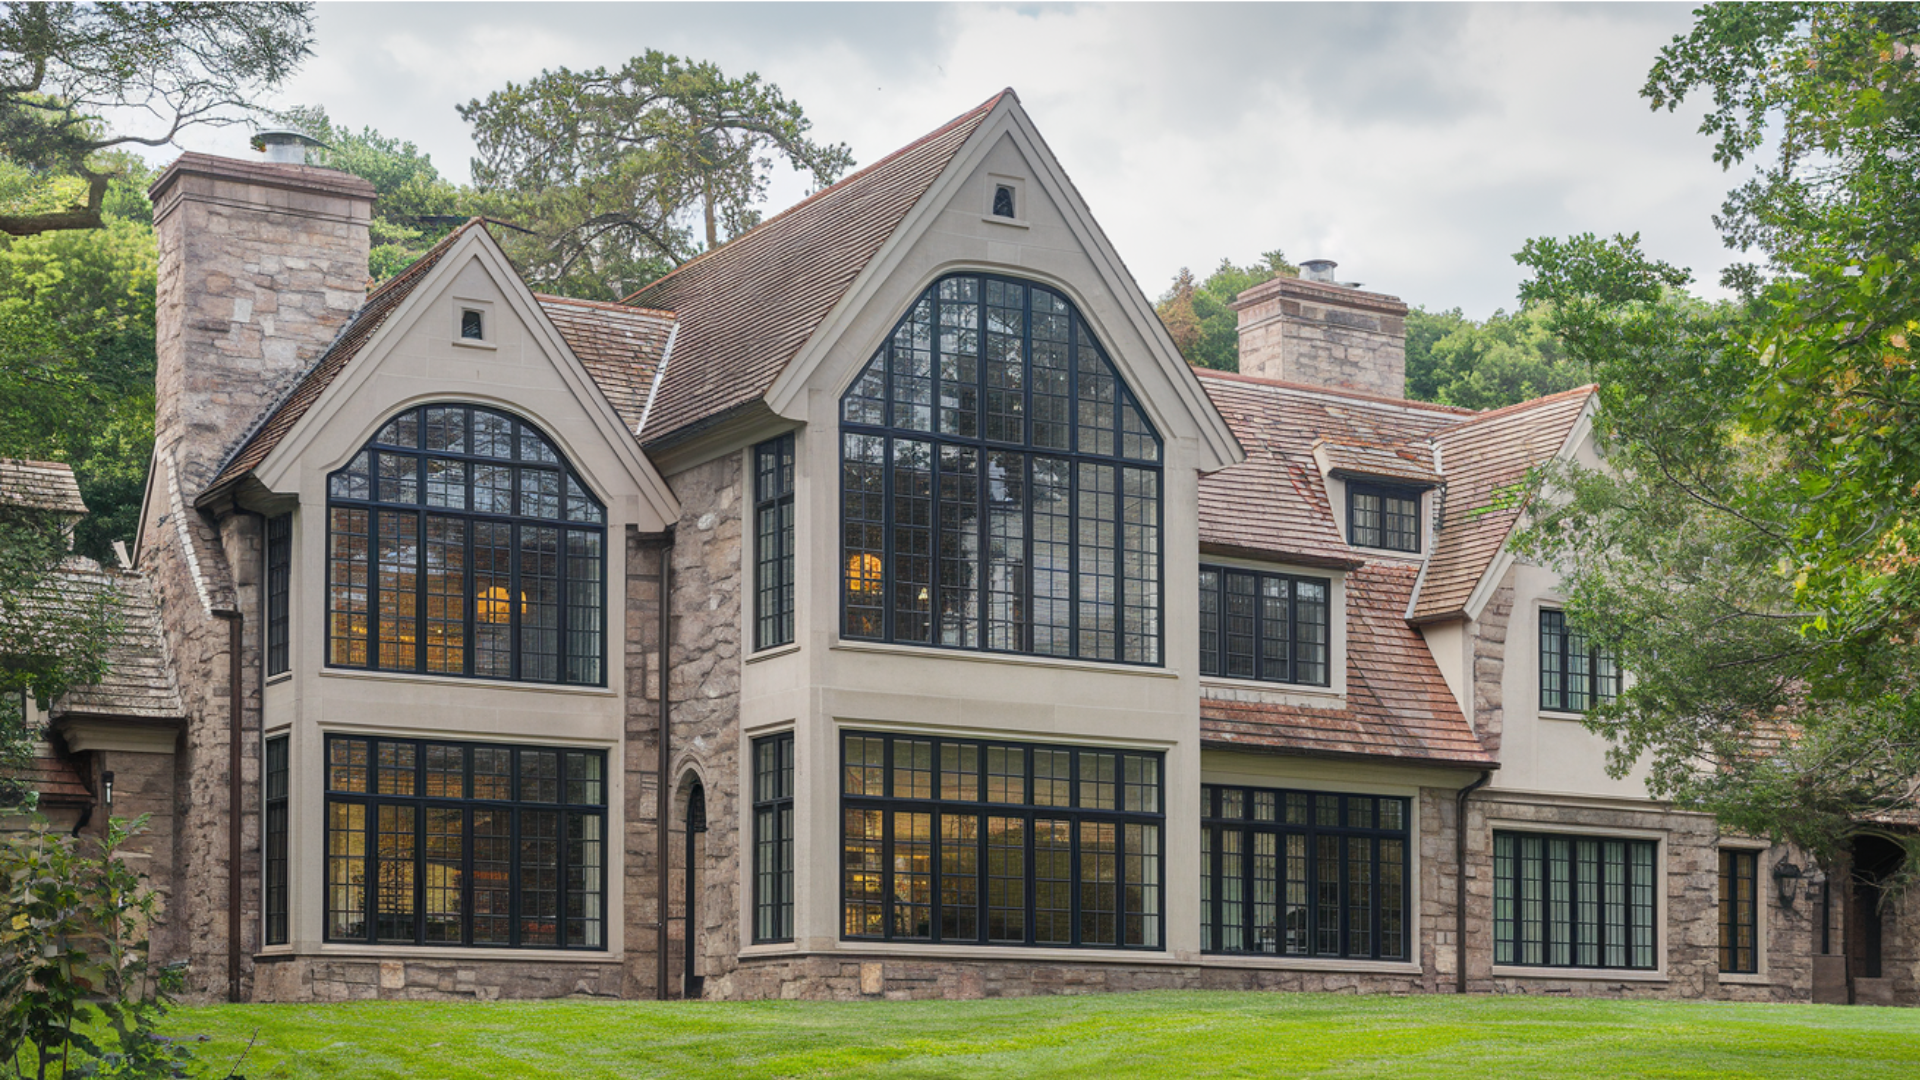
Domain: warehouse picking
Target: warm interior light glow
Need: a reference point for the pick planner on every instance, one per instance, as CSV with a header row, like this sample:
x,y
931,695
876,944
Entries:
x,y
864,574
494,605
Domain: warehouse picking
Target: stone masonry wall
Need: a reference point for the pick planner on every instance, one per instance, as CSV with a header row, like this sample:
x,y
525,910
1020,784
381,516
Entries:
x,y
1324,335
306,978
1489,665
640,839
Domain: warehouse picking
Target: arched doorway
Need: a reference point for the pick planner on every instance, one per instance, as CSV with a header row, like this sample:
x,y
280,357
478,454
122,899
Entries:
x,y
1876,861
695,831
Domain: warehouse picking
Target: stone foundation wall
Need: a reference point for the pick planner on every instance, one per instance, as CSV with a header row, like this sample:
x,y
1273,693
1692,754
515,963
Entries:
x,y
303,978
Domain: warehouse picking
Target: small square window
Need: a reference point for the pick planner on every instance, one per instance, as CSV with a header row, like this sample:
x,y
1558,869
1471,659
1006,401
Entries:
x,y
1383,517
1003,201
472,326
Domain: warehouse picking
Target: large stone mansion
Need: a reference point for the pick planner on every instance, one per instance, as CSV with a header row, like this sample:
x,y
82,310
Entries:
x,y
876,605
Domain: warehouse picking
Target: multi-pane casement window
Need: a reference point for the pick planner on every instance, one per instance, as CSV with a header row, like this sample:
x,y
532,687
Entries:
x,y
1380,516
1739,911
273,842
773,542
279,588
1304,873
460,543
773,838
1573,901
440,843
1575,673
1000,485
989,843
1257,625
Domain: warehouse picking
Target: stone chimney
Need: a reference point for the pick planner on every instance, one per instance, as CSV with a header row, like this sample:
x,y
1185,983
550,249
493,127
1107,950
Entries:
x,y
1313,329
260,265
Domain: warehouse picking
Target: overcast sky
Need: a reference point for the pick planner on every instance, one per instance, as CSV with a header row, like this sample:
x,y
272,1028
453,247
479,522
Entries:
x,y
1419,145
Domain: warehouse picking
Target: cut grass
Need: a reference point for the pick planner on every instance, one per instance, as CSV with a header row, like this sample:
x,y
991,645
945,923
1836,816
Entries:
x,y
1172,1034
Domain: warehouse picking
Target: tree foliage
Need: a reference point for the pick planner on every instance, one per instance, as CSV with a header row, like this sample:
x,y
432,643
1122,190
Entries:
x,y
1509,358
169,66
619,172
1198,315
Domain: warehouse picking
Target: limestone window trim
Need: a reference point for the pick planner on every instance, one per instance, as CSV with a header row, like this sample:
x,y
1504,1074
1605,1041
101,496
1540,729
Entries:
x,y
1328,966
462,307
1662,867
768,654
1017,187
933,652
455,680
1017,954
1657,975
1766,904
452,952
276,680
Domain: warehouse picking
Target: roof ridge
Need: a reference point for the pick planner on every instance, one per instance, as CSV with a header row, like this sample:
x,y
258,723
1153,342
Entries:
x,y
1331,391
1521,406
986,106
610,305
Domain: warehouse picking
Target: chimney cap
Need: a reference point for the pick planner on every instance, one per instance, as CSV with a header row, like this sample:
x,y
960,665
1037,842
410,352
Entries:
x,y
284,145
1318,270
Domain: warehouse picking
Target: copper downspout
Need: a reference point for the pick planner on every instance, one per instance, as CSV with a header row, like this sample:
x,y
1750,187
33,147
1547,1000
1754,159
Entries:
x,y
234,796
1460,879
663,806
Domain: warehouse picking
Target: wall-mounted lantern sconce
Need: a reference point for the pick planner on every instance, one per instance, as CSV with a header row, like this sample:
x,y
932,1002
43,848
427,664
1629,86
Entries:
x,y
106,787
1785,874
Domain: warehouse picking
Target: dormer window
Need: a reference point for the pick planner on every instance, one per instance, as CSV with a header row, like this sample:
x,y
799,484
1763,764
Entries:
x,y
1383,517
473,326
1003,202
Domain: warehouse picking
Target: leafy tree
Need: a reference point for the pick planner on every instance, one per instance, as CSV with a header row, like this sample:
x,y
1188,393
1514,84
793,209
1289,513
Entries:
x,y
415,207
1510,358
64,65
611,170
1198,316
1424,330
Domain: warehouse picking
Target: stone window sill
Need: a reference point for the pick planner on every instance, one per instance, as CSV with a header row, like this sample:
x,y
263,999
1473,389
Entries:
x,y
1329,965
422,955
774,650
1016,223
885,648
1014,953
1502,971
469,343
456,680
1746,978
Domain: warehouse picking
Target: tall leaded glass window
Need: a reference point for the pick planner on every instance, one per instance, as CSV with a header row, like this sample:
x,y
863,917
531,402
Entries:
x,y
1739,911
773,838
1304,873
438,843
1573,901
991,843
1255,625
459,542
1576,673
773,542
1000,485
279,588
274,839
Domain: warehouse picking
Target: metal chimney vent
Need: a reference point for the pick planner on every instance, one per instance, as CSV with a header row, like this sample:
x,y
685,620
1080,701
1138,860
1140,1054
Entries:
x,y
284,147
1319,270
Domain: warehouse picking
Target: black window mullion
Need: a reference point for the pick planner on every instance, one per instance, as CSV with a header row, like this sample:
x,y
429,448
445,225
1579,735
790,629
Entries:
x,y
420,563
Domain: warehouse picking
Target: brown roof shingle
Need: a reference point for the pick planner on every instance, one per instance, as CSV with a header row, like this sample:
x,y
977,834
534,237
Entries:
x,y
747,308
619,345
40,485
139,682
1398,704
1485,460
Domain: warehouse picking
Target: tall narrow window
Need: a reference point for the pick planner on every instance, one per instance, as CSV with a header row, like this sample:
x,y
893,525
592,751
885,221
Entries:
x,y
1273,627
773,838
1573,901
273,782
436,843
949,840
773,542
1739,911
1000,484
460,543
1383,517
279,587
1575,673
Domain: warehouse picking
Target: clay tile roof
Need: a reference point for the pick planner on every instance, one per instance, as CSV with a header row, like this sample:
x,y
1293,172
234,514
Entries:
x,y
1485,459
619,345
747,308
41,485
1275,503
280,419
139,681
1398,705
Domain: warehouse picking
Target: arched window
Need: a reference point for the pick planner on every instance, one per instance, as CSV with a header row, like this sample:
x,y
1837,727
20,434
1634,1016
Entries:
x,y
1000,486
459,542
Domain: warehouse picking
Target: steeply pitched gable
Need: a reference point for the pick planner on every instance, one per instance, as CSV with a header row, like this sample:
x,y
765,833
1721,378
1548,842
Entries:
x,y
747,308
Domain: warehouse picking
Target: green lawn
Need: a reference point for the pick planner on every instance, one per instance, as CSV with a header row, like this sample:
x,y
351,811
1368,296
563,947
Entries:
x,y
1181,1035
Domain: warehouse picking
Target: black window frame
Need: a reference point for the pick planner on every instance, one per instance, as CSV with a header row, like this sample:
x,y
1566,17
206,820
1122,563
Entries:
x,y
1215,607
1384,492
1245,815
278,555
274,777
1739,904
580,513
517,842
1627,921
1558,692
773,827
1126,422
773,531
1077,817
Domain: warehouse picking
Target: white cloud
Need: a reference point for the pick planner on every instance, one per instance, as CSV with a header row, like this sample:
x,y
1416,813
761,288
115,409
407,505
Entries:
x,y
1420,145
